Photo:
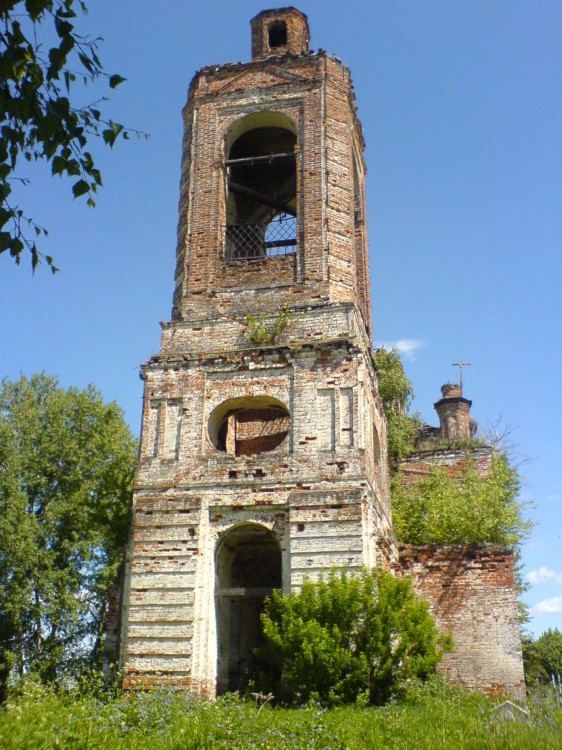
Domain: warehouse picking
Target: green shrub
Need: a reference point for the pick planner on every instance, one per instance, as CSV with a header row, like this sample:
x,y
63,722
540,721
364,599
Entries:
x,y
396,393
466,508
263,331
542,658
347,639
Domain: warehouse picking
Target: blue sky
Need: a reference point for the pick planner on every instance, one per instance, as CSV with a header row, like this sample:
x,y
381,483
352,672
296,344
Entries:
x,y
461,105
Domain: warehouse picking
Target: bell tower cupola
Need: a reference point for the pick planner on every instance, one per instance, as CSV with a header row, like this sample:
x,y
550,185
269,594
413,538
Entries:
x,y
279,32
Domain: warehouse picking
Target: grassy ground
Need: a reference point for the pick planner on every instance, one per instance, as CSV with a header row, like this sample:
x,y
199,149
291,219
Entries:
x,y
434,716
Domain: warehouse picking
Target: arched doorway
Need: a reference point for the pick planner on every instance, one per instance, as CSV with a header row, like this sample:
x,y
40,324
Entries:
x,y
248,568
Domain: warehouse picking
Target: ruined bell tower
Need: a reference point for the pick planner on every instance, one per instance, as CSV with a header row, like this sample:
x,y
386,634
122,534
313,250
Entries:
x,y
263,449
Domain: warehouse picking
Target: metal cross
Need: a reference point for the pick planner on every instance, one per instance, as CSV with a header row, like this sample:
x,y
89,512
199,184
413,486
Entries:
x,y
460,364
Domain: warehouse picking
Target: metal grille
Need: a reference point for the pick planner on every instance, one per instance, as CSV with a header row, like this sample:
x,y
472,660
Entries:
x,y
264,240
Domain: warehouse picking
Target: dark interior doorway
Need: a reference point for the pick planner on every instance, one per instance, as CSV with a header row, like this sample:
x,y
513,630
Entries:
x,y
248,569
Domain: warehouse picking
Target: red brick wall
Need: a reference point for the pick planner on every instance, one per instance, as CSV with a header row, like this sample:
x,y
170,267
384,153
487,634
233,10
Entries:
x,y
471,592
422,463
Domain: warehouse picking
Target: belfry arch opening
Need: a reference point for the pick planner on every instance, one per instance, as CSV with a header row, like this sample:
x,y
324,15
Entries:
x,y
248,426
261,188
248,568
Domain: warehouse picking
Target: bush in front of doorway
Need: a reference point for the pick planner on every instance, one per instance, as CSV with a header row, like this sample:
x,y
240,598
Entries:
x,y
349,638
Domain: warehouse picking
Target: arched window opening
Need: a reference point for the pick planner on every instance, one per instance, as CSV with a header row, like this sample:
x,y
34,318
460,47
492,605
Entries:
x,y
261,193
249,426
277,33
248,568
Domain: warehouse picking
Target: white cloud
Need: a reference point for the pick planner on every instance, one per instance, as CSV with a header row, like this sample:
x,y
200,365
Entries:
x,y
407,347
544,575
548,606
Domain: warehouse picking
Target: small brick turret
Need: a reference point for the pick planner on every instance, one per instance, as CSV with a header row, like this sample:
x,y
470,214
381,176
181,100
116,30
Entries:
x,y
455,422
278,32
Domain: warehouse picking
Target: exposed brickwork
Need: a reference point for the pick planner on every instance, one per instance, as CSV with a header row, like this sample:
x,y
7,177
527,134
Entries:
x,y
216,483
323,491
471,592
312,95
292,20
454,414
422,463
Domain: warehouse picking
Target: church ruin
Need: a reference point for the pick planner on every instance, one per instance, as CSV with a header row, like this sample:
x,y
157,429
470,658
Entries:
x,y
263,453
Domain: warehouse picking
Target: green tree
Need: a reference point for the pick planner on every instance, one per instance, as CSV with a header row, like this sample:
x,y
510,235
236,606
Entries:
x,y
396,393
42,58
463,508
66,465
542,658
348,638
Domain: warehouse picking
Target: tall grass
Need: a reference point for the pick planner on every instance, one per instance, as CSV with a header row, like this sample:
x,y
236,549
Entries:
x,y
432,716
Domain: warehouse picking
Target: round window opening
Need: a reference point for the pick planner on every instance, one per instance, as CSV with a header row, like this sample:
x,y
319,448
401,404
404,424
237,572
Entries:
x,y
249,426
